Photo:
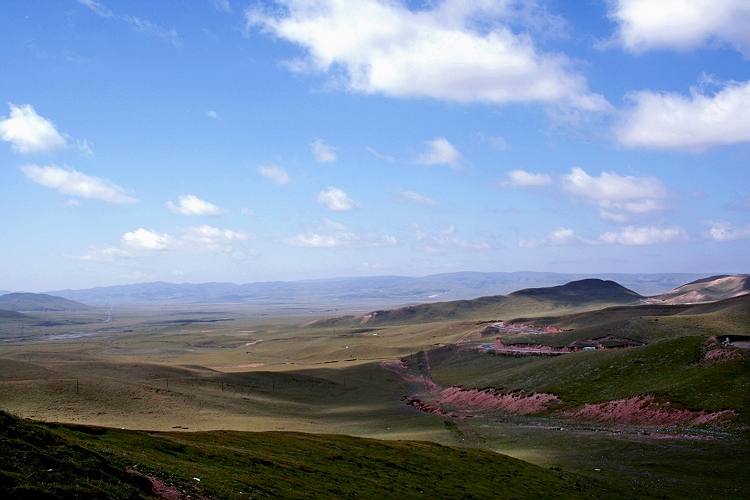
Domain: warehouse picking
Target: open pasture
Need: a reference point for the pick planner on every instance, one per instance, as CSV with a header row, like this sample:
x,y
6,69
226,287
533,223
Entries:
x,y
207,369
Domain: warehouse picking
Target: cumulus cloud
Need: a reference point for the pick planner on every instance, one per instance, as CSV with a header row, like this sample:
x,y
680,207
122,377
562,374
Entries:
x,y
452,50
136,23
30,133
336,199
439,151
681,25
332,234
724,231
192,205
212,114
74,183
618,197
663,120
415,197
323,152
274,173
196,239
144,239
521,178
631,235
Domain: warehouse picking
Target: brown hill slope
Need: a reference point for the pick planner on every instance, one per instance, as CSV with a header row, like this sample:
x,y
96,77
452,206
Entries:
x,y
706,290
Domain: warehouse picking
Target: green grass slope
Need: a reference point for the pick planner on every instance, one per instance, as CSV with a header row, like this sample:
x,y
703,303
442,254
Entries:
x,y
38,302
53,461
576,296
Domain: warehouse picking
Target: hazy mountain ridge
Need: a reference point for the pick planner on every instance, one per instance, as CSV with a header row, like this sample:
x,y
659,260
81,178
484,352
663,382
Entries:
x,y
386,289
38,302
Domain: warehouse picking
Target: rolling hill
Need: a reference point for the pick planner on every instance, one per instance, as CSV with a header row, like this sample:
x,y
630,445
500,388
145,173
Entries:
x,y
576,296
38,302
706,290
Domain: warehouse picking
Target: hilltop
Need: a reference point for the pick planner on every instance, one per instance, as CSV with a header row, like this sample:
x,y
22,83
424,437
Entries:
x,y
575,296
38,302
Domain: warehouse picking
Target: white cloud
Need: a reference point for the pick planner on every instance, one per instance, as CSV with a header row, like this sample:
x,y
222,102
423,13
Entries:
x,y
106,254
212,114
695,123
452,50
378,155
209,239
134,22
322,152
274,173
439,151
222,5
192,205
415,197
332,234
28,132
618,197
681,24
74,183
631,236
724,231
645,236
143,239
521,178
336,199
445,241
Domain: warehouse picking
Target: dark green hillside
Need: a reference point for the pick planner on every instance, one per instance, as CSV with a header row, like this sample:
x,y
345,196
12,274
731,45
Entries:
x,y
53,461
577,293
38,302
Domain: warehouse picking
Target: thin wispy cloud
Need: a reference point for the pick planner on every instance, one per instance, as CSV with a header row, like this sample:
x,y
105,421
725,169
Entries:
x,y
414,197
190,204
722,231
331,234
629,236
521,178
135,23
74,183
275,174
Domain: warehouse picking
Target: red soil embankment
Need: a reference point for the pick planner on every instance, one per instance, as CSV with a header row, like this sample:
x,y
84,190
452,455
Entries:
x,y
644,411
491,399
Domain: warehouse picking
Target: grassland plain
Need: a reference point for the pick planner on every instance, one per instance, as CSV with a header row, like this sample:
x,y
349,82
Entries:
x,y
216,369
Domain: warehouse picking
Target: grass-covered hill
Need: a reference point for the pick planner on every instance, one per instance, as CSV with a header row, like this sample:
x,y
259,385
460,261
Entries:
x,y
739,305
38,302
707,290
576,296
53,461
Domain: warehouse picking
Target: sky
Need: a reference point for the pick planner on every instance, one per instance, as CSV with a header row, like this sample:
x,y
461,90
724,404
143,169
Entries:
x,y
245,141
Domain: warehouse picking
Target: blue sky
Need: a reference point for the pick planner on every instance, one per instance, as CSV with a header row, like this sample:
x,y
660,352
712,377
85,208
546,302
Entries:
x,y
219,140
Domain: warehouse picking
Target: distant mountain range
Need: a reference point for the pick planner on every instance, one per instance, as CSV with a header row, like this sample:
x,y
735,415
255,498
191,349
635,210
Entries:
x,y
382,290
